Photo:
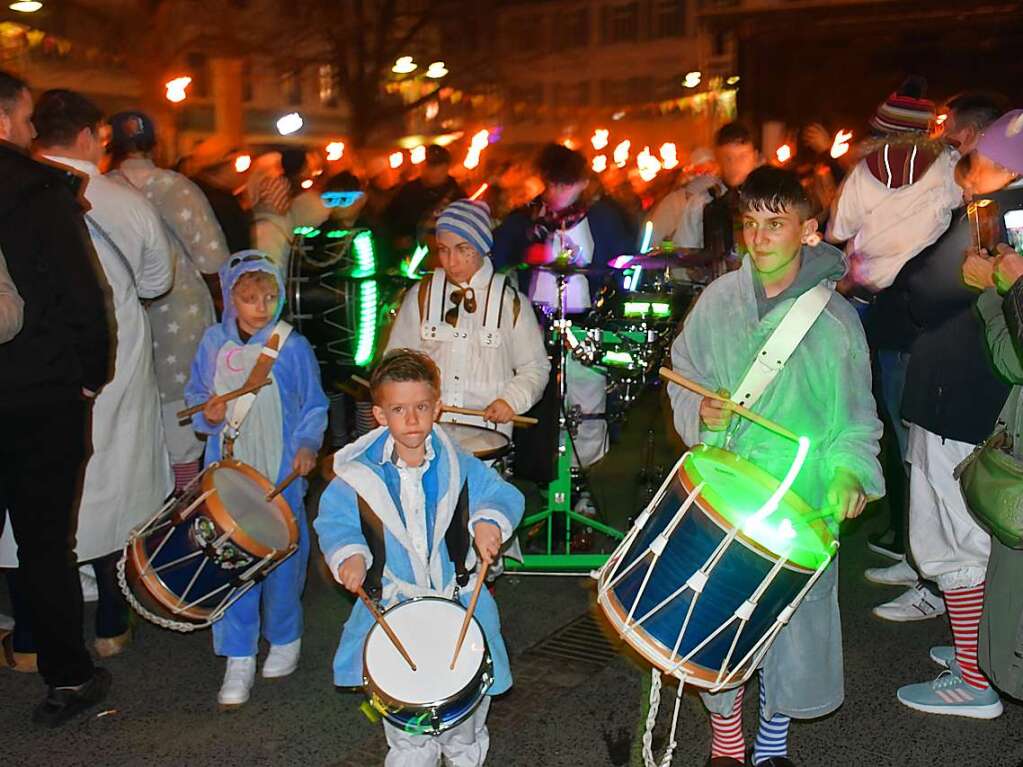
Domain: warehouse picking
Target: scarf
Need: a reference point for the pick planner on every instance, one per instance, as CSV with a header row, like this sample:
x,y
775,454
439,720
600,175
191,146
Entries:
x,y
545,222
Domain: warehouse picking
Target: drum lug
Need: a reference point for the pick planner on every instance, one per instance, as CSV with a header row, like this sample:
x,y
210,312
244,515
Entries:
x,y
435,719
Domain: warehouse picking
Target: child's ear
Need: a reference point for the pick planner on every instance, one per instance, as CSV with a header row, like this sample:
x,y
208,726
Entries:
x,y
810,235
437,407
378,413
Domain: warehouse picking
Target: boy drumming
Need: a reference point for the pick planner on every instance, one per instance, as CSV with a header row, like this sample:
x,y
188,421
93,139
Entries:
x,y
823,392
414,486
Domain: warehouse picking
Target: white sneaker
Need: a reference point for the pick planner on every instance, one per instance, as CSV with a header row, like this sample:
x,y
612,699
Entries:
x,y
915,604
899,574
282,659
238,679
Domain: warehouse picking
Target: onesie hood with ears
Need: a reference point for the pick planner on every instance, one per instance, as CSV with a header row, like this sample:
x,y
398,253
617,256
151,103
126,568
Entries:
x,y
243,262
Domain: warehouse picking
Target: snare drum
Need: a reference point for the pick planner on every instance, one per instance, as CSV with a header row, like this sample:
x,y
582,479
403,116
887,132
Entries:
x,y
700,590
487,444
433,698
202,551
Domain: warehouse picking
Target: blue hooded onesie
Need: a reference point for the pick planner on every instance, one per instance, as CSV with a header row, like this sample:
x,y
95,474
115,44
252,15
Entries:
x,y
289,414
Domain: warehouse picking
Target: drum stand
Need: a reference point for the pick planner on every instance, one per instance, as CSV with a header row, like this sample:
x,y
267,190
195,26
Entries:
x,y
559,491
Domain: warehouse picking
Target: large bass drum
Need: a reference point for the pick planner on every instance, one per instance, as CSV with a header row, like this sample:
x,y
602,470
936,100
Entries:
x,y
339,298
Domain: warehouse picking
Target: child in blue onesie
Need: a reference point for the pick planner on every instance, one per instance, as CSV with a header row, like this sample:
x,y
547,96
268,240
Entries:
x,y
410,475
282,431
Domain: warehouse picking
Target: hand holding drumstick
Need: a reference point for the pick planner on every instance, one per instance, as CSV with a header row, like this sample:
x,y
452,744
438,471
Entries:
x,y
488,543
352,574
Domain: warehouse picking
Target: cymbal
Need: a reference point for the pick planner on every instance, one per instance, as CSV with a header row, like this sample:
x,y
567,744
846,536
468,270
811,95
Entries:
x,y
563,268
660,259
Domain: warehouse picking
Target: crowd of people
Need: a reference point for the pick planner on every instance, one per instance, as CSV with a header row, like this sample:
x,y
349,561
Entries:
x,y
132,292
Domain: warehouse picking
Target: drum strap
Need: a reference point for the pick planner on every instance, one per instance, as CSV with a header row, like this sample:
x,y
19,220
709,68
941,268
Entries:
x,y
260,371
373,532
457,536
775,352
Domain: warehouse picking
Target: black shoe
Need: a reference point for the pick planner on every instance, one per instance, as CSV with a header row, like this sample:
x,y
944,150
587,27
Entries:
x,y
884,544
724,761
777,761
63,703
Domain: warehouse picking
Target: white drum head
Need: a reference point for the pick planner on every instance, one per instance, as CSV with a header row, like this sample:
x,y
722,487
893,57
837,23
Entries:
x,y
429,630
475,440
246,502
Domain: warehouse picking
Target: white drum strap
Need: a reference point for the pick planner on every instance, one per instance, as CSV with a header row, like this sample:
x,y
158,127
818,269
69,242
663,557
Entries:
x,y
438,297
651,720
244,403
775,352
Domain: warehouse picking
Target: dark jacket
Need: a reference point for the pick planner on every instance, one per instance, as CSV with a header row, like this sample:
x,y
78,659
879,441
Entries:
x,y
610,239
232,217
65,343
952,389
415,202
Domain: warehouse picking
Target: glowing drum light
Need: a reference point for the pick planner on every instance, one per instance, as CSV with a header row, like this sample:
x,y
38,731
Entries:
x,y
290,123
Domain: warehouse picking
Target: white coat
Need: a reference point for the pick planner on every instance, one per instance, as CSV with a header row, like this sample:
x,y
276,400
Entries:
x,y
474,373
128,475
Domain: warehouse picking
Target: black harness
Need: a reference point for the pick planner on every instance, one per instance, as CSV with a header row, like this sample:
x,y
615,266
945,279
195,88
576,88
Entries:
x,y
456,537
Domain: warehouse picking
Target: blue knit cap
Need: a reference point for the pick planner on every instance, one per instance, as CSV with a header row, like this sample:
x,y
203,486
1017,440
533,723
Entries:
x,y
470,220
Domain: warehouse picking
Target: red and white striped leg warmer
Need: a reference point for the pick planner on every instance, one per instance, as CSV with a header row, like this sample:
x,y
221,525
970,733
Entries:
x,y
964,608
728,739
184,473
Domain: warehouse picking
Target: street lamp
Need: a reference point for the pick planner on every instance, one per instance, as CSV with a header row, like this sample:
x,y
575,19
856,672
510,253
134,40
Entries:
x,y
436,70
26,6
290,123
404,66
176,89
692,79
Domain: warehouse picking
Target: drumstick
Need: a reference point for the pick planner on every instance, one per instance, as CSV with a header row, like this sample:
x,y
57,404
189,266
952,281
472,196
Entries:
x,y
518,420
468,616
685,383
283,485
383,624
361,381
226,397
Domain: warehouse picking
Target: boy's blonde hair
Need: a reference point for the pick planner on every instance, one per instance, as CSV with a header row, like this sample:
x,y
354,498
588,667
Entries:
x,y
256,278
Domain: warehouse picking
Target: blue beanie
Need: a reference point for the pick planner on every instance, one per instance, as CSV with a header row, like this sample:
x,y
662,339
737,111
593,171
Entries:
x,y
470,220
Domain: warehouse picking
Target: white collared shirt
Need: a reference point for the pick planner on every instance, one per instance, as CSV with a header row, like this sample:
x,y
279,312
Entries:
x,y
412,495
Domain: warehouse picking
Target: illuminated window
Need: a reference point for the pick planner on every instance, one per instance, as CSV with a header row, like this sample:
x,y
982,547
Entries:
x,y
328,85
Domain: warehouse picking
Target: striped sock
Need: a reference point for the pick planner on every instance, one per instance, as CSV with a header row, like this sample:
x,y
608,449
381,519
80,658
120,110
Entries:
x,y
964,608
184,473
727,734
773,735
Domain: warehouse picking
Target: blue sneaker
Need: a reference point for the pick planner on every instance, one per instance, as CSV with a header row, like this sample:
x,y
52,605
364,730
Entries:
x,y
950,695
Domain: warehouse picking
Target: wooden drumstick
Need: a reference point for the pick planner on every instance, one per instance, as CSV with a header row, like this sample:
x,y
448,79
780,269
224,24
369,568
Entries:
x,y
468,615
226,397
383,624
518,420
360,380
295,473
685,383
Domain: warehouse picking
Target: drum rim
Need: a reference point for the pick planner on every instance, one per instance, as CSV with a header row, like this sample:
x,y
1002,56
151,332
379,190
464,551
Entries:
x,y
490,454
484,672
153,584
701,676
216,508
722,521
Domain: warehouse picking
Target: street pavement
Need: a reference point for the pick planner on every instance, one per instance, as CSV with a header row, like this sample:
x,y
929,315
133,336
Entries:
x,y
162,709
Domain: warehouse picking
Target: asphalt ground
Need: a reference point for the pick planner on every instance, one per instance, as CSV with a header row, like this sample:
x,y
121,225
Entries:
x,y
162,709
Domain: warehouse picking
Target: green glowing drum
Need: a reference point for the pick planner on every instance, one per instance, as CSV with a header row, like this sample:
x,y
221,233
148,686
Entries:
x,y
698,587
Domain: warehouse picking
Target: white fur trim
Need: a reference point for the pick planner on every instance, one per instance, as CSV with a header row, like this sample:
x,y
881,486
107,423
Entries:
x,y
493,515
337,558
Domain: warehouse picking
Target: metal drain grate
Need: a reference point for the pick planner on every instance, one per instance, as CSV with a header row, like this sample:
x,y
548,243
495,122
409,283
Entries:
x,y
581,641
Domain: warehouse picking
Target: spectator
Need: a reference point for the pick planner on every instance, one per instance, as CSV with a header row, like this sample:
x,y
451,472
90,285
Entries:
x,y
213,171
180,316
412,213
128,475
49,374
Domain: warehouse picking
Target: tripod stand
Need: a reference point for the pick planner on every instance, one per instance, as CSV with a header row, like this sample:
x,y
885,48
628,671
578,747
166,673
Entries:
x,y
558,555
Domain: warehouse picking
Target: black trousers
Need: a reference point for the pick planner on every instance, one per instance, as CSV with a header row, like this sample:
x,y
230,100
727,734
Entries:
x,y
42,454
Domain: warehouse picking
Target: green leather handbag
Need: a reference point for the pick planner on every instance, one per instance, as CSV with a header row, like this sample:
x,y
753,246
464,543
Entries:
x,y
991,479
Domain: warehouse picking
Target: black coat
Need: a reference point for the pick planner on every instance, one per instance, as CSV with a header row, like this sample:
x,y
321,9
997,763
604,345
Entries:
x,y
66,341
952,389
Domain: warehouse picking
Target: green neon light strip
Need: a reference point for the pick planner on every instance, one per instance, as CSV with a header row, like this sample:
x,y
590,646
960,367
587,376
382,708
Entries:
x,y
418,256
366,337
617,359
365,256
636,308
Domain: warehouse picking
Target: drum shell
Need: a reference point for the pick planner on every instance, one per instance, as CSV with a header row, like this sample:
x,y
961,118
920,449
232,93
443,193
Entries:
x,y
741,569
160,592
443,713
